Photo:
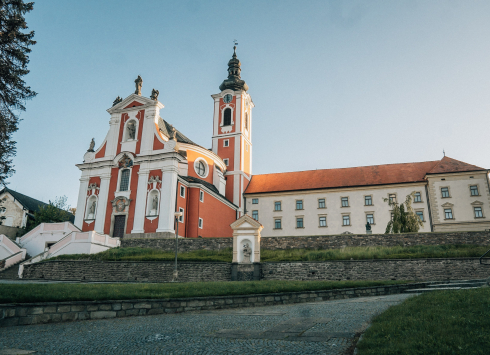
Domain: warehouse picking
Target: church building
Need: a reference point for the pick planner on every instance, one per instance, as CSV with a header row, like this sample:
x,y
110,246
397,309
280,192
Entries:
x,y
145,170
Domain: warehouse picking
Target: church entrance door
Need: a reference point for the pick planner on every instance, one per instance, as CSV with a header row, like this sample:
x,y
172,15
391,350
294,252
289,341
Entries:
x,y
119,222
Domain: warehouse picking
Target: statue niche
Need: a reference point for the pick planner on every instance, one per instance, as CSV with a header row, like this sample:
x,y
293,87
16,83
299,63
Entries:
x,y
131,130
152,204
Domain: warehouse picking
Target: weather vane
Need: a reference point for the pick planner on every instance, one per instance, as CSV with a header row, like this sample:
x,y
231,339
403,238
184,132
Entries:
x,y
235,41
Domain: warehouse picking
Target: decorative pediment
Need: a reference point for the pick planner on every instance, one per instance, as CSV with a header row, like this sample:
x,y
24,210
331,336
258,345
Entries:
x,y
447,204
121,105
477,203
246,222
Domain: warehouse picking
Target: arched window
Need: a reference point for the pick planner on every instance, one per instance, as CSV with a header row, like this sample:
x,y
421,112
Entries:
x,y
246,121
227,117
124,184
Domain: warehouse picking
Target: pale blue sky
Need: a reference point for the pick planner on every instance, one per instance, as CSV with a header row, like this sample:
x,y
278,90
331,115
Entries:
x,y
335,83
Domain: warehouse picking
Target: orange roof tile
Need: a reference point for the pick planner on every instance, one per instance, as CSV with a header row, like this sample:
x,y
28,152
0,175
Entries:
x,y
350,177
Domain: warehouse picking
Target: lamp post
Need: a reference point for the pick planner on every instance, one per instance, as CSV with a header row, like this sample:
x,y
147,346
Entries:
x,y
177,216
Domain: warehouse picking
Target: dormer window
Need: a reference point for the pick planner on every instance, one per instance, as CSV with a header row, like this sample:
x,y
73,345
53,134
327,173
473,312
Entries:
x,y
227,117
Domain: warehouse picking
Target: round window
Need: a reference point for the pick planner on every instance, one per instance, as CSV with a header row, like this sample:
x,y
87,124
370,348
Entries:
x,y
201,169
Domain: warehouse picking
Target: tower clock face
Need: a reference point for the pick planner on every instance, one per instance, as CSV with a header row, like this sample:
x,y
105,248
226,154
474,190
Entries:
x,y
227,98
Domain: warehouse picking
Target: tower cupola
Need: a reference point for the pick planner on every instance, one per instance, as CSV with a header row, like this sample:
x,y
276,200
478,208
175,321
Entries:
x,y
234,82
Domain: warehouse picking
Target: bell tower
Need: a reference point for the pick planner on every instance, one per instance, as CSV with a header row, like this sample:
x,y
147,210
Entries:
x,y
232,131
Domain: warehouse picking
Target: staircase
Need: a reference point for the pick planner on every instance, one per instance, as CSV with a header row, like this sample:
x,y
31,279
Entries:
x,y
450,285
10,273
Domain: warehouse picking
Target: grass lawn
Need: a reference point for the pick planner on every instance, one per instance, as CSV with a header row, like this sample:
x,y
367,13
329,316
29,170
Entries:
x,y
25,293
226,255
442,322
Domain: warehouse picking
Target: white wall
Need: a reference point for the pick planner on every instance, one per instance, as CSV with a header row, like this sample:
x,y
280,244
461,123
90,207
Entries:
x,y
333,210
36,240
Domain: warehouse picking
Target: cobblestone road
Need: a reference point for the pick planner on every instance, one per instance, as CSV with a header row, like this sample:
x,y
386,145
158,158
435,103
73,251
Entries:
x,y
308,328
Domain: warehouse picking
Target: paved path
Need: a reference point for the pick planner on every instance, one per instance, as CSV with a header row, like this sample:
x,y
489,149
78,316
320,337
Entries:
x,y
308,328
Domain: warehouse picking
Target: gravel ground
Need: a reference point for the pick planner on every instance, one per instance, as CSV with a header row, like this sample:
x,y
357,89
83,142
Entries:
x,y
309,328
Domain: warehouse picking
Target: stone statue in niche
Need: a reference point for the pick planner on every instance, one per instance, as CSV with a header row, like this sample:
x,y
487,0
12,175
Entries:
x,y
154,94
139,84
131,130
154,206
91,210
247,252
92,145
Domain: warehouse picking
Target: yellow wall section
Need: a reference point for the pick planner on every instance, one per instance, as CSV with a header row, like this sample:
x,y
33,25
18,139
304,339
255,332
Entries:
x,y
246,157
191,157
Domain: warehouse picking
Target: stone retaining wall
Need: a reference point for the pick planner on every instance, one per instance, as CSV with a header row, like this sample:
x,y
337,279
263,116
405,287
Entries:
x,y
408,269
144,271
317,242
158,271
55,312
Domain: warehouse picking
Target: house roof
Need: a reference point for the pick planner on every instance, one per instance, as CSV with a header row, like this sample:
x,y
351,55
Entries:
x,y
29,203
358,176
205,184
164,127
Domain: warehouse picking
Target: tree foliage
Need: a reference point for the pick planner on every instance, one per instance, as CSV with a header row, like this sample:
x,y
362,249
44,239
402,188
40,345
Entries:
x,y
14,50
404,218
54,211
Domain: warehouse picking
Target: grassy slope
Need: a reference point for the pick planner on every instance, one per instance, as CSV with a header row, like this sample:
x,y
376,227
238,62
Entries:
x,y
24,293
356,253
444,322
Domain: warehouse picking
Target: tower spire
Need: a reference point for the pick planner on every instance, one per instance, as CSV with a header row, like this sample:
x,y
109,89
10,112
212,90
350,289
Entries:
x,y
234,81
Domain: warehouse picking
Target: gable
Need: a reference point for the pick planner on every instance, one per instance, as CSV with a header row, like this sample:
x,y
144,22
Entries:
x,y
133,104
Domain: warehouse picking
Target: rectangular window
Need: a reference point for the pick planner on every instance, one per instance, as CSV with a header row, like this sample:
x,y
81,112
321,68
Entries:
x,y
417,197
392,215
255,215
392,198
368,200
449,213
345,202
323,221
299,204
226,143
277,206
445,192
321,203
277,224
181,218
255,201
226,161
124,184
370,218
474,190
182,191
346,220
200,223
420,214
299,222
201,196
478,212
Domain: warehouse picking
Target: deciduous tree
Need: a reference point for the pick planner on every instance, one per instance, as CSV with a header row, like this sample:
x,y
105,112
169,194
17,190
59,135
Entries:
x,y
404,218
54,211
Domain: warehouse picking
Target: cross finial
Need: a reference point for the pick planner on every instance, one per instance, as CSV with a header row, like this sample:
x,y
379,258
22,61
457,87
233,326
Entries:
x,y
443,152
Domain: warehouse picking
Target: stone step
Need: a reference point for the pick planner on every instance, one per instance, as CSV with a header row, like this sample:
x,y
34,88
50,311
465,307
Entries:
x,y
457,284
423,290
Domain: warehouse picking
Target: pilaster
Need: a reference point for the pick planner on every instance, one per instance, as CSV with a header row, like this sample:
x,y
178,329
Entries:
x,y
140,209
168,196
102,203
82,200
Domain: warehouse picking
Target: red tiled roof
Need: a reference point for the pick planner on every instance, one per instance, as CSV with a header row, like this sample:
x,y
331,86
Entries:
x,y
350,177
450,165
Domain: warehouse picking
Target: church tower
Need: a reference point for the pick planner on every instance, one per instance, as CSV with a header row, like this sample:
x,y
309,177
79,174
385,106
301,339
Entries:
x,y
232,131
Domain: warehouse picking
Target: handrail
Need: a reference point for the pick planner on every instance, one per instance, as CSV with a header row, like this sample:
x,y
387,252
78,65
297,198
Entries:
x,y
481,258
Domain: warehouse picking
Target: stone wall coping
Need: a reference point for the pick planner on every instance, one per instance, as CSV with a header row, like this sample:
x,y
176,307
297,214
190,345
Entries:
x,y
136,261
186,299
264,262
